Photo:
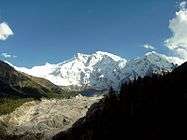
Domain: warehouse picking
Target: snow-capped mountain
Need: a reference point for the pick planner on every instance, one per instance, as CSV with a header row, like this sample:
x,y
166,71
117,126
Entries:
x,y
150,63
99,70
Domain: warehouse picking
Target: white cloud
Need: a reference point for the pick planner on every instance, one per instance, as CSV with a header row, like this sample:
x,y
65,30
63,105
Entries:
x,y
183,5
5,31
7,55
178,26
148,46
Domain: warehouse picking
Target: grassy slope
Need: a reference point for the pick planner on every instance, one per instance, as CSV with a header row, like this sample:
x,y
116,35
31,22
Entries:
x,y
7,105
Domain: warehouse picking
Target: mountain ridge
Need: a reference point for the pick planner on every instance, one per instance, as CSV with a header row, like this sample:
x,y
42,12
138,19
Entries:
x,y
18,84
100,70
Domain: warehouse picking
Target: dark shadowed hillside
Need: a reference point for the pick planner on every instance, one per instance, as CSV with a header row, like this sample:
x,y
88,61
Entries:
x,y
151,108
17,84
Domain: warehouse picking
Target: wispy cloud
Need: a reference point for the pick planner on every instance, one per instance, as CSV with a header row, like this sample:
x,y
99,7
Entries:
x,y
5,31
8,55
178,26
148,46
183,5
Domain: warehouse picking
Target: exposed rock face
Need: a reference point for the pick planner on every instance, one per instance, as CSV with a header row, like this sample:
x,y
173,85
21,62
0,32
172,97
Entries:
x,y
43,119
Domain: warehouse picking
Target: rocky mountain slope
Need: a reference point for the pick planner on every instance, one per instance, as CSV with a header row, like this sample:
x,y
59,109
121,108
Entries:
x,y
43,119
100,70
14,83
150,63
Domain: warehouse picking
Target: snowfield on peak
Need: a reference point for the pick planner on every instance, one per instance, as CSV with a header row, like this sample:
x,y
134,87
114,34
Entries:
x,y
100,70
150,63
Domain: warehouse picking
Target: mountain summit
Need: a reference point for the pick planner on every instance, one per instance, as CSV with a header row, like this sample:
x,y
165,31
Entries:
x,y
99,70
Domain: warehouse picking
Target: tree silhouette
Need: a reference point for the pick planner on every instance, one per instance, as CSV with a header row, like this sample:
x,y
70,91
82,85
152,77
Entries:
x,y
149,108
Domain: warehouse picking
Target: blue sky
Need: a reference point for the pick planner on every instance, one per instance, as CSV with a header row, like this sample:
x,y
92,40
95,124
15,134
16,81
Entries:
x,y
54,30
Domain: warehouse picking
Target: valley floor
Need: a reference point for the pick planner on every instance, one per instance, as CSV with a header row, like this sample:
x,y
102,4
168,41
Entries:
x,y
43,119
